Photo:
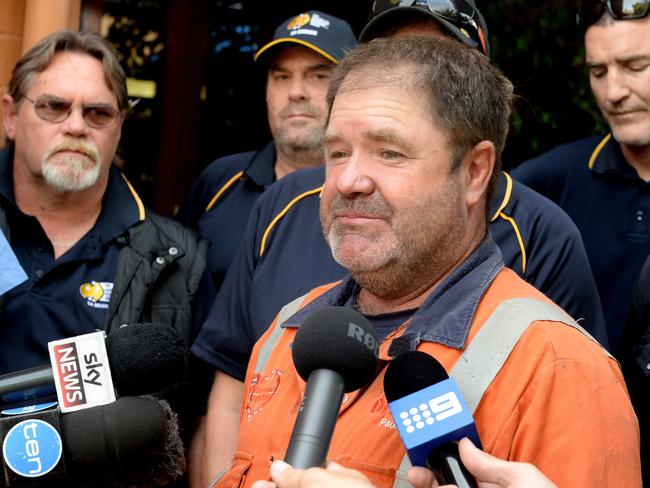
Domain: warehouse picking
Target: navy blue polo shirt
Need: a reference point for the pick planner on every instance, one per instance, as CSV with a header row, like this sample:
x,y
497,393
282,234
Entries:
x,y
591,180
218,205
62,297
284,255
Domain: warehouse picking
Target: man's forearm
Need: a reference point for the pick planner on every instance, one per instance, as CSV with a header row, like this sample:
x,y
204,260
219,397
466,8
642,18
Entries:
x,y
221,427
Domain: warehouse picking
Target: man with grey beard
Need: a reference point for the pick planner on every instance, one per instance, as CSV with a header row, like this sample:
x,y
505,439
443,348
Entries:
x,y
78,250
297,63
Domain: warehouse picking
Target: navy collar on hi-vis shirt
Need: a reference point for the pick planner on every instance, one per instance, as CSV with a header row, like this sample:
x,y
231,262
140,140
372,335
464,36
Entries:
x,y
446,315
62,297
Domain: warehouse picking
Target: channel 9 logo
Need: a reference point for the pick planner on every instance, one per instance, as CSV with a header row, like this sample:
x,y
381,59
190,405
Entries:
x,y
426,414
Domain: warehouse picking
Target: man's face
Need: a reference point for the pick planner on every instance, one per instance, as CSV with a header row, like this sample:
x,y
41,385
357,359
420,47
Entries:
x,y
391,209
618,56
296,90
68,155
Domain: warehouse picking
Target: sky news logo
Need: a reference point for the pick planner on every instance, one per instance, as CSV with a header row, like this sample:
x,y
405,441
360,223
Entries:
x,y
435,410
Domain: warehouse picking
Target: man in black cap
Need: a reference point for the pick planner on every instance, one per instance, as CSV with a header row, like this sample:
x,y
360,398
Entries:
x,y
297,63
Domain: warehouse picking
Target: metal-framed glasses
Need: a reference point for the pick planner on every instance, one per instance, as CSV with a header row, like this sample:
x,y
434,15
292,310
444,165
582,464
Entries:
x,y
53,109
589,12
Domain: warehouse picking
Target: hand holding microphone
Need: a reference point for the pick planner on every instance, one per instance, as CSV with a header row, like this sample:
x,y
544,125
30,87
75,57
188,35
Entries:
x,y
489,471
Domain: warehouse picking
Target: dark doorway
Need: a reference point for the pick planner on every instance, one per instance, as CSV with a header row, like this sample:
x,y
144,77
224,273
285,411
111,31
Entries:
x,y
190,65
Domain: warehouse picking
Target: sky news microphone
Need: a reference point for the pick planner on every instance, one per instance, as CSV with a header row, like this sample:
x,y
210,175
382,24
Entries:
x,y
143,358
430,415
133,441
334,351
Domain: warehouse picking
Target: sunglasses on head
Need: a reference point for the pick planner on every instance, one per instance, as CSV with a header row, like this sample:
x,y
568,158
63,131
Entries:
x,y
590,12
457,12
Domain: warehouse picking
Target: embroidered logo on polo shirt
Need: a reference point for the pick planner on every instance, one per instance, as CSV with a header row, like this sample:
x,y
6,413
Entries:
x,y
97,294
262,390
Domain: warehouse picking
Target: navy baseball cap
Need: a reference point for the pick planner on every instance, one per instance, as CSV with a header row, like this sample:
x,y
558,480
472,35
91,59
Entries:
x,y
461,18
329,36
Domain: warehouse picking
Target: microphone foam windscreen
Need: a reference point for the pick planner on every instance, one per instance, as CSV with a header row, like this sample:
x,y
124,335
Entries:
x,y
145,358
339,339
134,441
410,372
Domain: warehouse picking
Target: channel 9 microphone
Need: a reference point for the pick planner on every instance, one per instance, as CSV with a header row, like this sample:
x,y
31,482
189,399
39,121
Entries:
x,y
143,358
133,441
430,415
334,351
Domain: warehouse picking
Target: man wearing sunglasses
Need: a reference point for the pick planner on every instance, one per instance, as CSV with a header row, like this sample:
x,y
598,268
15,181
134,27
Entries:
x,y
84,254
284,253
602,181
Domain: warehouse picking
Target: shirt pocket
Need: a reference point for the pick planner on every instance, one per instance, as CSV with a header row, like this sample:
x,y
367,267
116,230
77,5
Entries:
x,y
380,476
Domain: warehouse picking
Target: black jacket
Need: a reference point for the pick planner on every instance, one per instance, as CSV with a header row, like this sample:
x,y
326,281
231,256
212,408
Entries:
x,y
158,274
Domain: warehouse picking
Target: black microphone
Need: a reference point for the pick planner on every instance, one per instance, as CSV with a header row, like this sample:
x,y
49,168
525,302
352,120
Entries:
x,y
334,351
143,358
430,415
133,441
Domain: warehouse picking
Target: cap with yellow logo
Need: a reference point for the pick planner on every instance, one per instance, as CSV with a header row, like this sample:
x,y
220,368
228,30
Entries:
x,y
329,36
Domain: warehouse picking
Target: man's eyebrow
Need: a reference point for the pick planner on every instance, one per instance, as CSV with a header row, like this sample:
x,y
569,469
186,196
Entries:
x,y
387,136
623,59
325,66
331,138
311,67
55,98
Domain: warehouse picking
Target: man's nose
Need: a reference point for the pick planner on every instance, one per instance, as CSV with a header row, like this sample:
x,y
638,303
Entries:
x,y
298,89
616,87
75,124
354,178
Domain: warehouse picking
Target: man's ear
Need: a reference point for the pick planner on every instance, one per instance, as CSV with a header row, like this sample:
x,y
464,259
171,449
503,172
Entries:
x,y
479,165
9,113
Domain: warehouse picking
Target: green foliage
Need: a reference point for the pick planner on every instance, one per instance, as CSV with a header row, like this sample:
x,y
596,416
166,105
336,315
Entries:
x,y
541,49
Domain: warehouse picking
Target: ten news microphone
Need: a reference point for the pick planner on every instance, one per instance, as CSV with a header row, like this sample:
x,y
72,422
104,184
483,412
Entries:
x,y
334,351
143,358
430,415
133,441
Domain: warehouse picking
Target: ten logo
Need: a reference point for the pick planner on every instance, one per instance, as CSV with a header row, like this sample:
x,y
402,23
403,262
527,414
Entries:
x,y
438,409
32,448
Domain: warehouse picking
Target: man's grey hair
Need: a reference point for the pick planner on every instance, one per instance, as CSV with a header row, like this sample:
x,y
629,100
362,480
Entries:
x,y
464,94
39,58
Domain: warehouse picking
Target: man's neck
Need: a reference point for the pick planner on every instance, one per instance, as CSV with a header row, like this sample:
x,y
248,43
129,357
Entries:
x,y
286,162
64,216
639,158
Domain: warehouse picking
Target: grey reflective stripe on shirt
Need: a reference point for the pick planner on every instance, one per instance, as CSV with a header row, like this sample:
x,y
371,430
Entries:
x,y
267,348
485,355
483,358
